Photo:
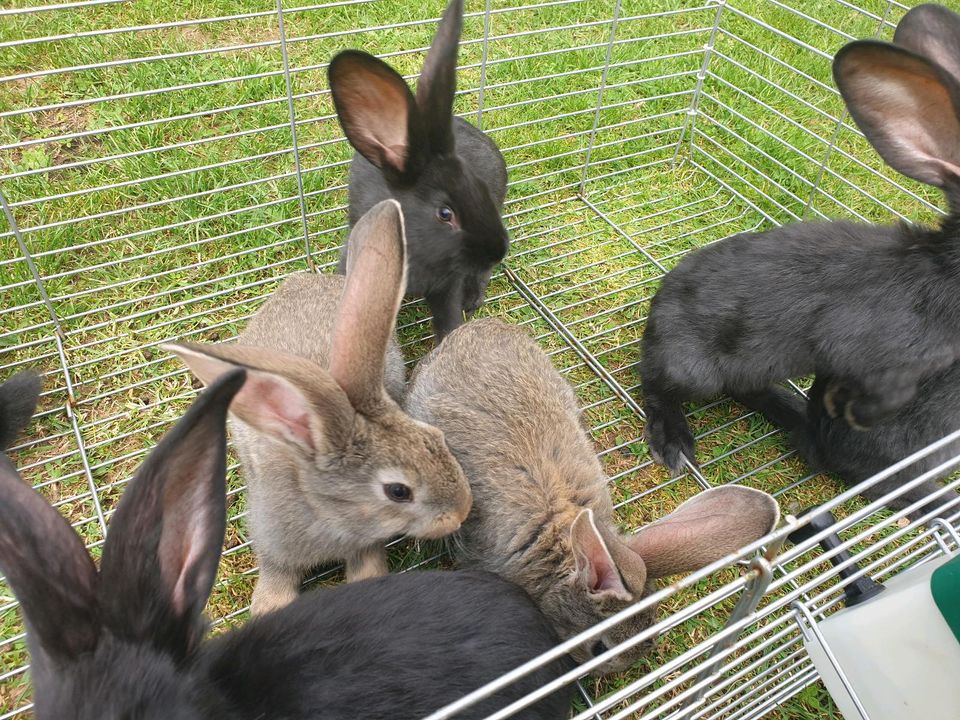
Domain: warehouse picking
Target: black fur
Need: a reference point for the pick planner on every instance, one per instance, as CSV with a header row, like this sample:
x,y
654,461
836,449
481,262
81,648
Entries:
x,y
426,159
18,400
390,648
127,642
831,445
874,310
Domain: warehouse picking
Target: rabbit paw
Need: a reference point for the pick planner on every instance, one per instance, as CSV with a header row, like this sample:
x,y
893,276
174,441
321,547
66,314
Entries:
x,y
835,399
669,443
863,410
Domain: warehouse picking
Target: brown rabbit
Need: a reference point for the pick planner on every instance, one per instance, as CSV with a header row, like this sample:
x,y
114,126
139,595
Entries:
x,y
542,515
334,467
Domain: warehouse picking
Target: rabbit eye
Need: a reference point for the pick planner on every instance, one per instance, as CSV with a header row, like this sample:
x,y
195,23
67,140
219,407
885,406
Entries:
x,y
444,214
599,648
398,492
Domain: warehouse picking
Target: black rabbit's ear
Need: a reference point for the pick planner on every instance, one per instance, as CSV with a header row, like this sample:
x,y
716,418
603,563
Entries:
x,y
438,81
906,106
18,400
932,31
378,114
48,569
162,552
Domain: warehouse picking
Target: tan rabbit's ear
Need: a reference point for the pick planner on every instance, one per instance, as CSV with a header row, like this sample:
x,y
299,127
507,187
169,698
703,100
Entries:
x,y
367,315
932,31
596,569
284,396
704,529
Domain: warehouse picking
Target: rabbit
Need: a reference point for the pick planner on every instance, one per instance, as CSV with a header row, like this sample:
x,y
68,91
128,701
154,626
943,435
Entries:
x,y
542,514
334,467
876,309
127,641
450,178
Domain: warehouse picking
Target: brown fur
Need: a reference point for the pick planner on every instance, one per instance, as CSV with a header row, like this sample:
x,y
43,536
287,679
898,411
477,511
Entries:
x,y
319,437
542,515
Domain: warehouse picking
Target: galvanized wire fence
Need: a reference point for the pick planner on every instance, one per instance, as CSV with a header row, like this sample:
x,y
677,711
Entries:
x,y
163,167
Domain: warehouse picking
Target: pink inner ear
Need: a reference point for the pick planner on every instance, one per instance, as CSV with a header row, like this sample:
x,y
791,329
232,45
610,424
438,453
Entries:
x,y
606,578
595,566
272,404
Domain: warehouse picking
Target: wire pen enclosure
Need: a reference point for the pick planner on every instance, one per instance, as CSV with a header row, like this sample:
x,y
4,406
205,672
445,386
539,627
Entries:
x,y
164,165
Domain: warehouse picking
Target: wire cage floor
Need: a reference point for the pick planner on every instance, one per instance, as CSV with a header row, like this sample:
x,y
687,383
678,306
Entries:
x,y
164,166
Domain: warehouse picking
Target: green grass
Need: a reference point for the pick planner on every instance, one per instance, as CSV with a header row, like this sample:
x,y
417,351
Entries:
x,y
188,241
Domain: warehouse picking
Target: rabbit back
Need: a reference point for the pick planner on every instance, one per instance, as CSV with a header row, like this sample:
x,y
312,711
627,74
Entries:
x,y
817,297
512,422
299,317
395,647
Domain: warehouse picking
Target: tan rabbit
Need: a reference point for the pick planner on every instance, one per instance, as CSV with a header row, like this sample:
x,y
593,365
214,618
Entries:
x,y
542,515
334,467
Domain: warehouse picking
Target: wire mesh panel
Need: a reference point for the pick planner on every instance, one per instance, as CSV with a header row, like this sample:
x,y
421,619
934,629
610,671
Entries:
x,y
165,165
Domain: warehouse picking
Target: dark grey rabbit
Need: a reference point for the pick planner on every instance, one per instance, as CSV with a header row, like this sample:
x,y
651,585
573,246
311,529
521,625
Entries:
x,y
449,176
873,310
542,514
334,468
127,641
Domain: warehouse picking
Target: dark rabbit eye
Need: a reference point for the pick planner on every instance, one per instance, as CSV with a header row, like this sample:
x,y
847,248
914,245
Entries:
x,y
444,214
599,648
398,492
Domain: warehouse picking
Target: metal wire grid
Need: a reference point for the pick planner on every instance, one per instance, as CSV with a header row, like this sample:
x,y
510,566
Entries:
x,y
164,204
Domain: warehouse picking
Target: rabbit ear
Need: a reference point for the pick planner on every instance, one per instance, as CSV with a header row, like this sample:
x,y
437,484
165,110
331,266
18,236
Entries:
x,y
438,80
704,529
18,400
285,397
596,569
162,552
378,114
48,569
376,283
906,106
933,32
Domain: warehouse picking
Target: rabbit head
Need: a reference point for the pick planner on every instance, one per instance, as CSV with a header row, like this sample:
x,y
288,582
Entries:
x,y
115,643
391,473
612,572
905,96
451,206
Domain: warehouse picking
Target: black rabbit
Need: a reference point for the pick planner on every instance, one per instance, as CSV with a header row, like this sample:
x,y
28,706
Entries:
x,y
127,641
830,444
448,176
873,310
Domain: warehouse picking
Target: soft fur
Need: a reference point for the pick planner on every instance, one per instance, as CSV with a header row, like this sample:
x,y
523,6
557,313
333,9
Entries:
x,y
542,514
831,445
127,641
413,149
18,399
319,439
872,310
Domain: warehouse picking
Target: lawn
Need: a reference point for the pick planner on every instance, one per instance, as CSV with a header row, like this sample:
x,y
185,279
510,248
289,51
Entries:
x,y
151,173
